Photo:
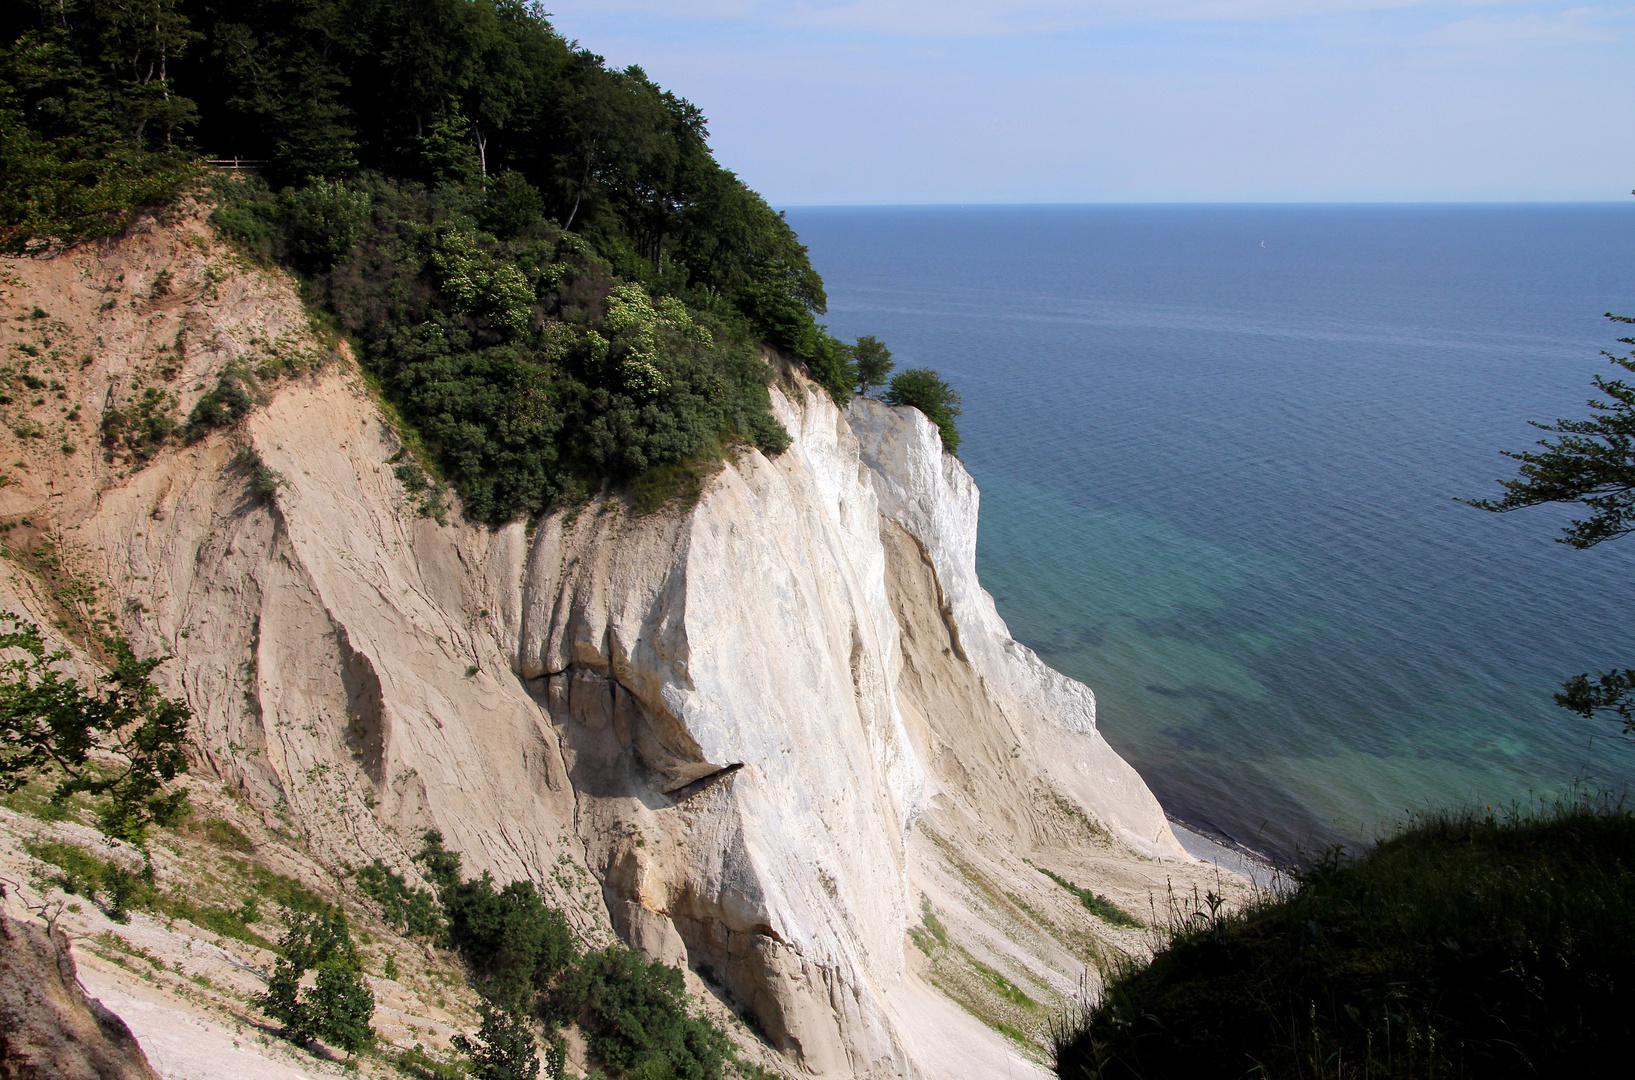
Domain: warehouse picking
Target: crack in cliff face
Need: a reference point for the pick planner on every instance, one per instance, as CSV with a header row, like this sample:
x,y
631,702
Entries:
x,y
610,728
945,609
365,734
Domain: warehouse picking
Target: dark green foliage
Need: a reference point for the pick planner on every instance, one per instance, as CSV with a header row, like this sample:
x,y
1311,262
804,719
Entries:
x,y
325,219
123,887
337,1008
1609,692
1468,945
923,389
89,116
340,1005
634,1015
556,1058
504,1048
471,193
828,361
440,865
1095,903
873,362
1592,464
511,206
223,405
403,907
51,726
248,213
526,368
263,481
140,428
512,942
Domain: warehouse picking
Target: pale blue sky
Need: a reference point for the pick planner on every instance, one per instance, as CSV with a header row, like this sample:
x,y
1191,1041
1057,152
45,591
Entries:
x,y
918,101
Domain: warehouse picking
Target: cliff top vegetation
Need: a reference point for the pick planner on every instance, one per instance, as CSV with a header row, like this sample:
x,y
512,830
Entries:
x,y
1470,944
549,275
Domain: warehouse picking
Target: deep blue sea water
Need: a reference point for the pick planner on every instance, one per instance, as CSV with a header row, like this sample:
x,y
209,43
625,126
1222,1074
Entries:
x,y
1219,448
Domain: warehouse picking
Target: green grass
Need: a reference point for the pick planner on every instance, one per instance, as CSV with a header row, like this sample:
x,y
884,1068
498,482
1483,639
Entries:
x,y
930,933
1001,985
419,1065
1095,903
118,891
226,834
1468,945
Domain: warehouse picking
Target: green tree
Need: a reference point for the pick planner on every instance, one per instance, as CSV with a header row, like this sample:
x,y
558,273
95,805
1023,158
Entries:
x,y
873,361
340,1004
513,943
325,219
92,124
634,1015
52,726
1591,464
923,389
275,68
504,1047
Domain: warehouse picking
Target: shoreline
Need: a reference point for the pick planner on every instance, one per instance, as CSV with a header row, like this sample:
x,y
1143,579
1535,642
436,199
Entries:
x,y
1236,858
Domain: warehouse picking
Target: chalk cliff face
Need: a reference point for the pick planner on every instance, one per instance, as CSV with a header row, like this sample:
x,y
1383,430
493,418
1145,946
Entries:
x,y
773,738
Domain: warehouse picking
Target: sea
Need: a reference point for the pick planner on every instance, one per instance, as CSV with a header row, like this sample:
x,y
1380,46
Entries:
x,y
1221,448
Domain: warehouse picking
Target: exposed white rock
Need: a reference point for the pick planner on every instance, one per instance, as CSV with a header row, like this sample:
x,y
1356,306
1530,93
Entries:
x,y
768,738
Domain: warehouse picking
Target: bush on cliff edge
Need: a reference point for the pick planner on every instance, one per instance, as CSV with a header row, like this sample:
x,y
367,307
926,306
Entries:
x,y
1470,945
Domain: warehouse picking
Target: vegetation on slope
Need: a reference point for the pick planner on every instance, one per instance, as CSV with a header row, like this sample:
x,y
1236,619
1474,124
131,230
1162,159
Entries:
x,y
524,960
551,277
923,389
121,743
1467,946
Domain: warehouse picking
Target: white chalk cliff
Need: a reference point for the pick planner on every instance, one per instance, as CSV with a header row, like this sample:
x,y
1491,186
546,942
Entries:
x,y
776,738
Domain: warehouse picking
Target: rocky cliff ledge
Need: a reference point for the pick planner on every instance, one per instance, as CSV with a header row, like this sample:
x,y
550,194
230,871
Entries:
x,y
781,738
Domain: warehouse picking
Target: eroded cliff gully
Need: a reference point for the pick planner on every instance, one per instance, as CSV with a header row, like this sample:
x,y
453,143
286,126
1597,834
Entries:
x,y
782,739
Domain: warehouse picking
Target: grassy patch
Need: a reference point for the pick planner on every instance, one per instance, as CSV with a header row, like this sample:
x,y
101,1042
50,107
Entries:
x,y
976,987
1003,986
678,484
419,1065
1090,826
226,834
1095,903
119,891
930,933
282,889
1468,945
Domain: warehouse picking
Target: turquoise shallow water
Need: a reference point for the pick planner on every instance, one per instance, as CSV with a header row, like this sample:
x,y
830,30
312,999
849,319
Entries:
x,y
1219,449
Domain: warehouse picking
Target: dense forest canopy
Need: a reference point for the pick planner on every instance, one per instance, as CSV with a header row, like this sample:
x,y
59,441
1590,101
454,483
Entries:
x,y
551,277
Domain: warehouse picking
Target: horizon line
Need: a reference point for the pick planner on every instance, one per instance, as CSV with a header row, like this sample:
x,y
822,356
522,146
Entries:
x,y
1198,202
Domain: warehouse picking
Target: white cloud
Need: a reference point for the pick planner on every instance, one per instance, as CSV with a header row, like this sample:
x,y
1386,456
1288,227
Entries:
x,y
1487,32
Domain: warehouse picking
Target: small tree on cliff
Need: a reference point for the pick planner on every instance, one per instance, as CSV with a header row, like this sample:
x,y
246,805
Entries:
x,y
925,390
51,726
503,1048
1591,464
338,1007
873,362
